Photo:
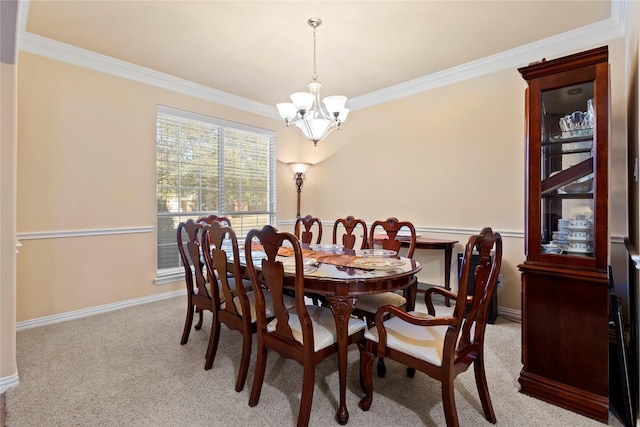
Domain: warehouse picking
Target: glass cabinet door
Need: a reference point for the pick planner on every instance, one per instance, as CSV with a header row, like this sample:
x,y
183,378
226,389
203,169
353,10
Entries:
x,y
567,122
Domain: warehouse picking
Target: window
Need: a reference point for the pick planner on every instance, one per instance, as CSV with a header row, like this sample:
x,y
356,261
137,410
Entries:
x,y
209,166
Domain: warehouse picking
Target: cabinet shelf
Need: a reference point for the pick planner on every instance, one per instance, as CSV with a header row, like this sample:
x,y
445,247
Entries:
x,y
566,176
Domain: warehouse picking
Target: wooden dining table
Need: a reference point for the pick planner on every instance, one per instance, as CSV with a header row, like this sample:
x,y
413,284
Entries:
x,y
341,285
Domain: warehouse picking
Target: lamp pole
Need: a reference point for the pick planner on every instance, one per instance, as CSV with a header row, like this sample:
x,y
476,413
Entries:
x,y
299,178
298,175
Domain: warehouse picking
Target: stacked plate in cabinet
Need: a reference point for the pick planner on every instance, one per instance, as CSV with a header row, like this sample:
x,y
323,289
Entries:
x,y
575,236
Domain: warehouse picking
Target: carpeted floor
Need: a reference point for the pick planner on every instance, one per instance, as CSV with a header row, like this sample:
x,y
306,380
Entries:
x,y
127,368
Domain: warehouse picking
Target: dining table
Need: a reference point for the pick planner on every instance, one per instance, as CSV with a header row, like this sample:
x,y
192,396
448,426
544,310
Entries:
x,y
340,278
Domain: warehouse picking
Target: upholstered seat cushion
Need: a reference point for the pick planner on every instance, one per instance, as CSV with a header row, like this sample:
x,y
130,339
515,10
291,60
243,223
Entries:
x,y
324,326
422,342
289,303
371,303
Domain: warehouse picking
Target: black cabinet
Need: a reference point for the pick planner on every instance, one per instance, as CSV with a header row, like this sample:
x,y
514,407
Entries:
x,y
493,304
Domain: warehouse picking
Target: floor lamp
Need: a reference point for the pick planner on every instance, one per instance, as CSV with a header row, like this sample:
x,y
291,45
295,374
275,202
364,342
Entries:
x,y
299,169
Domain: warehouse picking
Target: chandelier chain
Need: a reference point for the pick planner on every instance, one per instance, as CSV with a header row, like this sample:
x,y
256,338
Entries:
x,y
314,76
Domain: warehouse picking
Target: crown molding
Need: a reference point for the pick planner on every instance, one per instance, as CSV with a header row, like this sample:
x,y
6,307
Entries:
x,y
569,42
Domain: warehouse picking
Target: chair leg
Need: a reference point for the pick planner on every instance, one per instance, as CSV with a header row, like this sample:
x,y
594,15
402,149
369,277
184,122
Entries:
x,y
483,390
244,360
366,376
308,382
449,402
199,324
187,325
213,342
382,369
258,376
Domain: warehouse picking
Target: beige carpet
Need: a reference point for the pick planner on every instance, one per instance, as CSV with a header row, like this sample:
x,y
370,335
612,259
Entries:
x,y
127,368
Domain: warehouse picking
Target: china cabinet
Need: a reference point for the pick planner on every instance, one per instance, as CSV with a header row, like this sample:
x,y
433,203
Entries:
x,y
565,305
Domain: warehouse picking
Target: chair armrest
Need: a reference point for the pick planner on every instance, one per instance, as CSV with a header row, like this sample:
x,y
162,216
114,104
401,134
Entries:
x,y
437,290
409,318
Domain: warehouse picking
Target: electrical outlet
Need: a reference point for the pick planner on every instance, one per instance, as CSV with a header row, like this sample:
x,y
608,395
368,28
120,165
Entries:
x,y
500,280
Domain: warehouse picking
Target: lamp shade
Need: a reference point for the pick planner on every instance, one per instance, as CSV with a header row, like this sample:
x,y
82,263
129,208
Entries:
x,y
335,104
302,100
299,167
287,110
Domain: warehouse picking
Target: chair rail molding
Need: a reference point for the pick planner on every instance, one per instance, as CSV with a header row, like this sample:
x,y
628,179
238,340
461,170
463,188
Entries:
x,y
58,234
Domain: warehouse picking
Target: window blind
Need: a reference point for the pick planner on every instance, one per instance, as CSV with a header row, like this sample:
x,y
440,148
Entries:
x,y
210,166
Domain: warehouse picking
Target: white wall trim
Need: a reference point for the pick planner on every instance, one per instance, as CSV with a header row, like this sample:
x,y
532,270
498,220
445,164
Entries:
x,y
85,312
59,234
424,229
590,35
8,382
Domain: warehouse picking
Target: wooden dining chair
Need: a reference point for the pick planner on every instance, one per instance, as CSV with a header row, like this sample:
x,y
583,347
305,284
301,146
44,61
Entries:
x,y
307,333
308,222
445,346
241,314
348,239
199,296
367,305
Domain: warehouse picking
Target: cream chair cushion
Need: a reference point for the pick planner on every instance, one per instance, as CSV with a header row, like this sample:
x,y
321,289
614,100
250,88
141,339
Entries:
x,y
324,326
422,342
371,303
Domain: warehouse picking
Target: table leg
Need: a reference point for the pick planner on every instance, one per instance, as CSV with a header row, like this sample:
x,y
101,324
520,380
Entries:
x,y
342,308
447,271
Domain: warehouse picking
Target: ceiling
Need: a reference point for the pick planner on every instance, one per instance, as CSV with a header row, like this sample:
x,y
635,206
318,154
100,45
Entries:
x,y
262,50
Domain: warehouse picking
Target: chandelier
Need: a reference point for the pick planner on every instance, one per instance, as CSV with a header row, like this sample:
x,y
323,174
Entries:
x,y
305,111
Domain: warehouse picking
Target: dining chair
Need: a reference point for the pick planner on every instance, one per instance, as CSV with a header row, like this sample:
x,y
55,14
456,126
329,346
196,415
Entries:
x,y
199,297
306,333
308,222
367,305
221,254
441,347
348,238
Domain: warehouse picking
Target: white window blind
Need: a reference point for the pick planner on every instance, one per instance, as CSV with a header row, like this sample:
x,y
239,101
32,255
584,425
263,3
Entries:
x,y
210,166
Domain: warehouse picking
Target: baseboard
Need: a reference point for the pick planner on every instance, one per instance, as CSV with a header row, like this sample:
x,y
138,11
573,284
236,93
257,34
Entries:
x,y
510,313
77,314
8,382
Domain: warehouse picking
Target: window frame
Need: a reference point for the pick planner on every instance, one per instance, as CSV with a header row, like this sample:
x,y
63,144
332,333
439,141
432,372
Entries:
x,y
223,127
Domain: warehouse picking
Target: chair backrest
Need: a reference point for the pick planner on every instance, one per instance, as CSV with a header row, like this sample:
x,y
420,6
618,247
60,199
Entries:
x,y
307,234
221,243
348,238
211,218
190,235
391,227
459,339
273,279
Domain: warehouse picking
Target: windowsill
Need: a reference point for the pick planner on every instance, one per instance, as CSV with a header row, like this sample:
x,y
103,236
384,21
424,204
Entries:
x,y
164,277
